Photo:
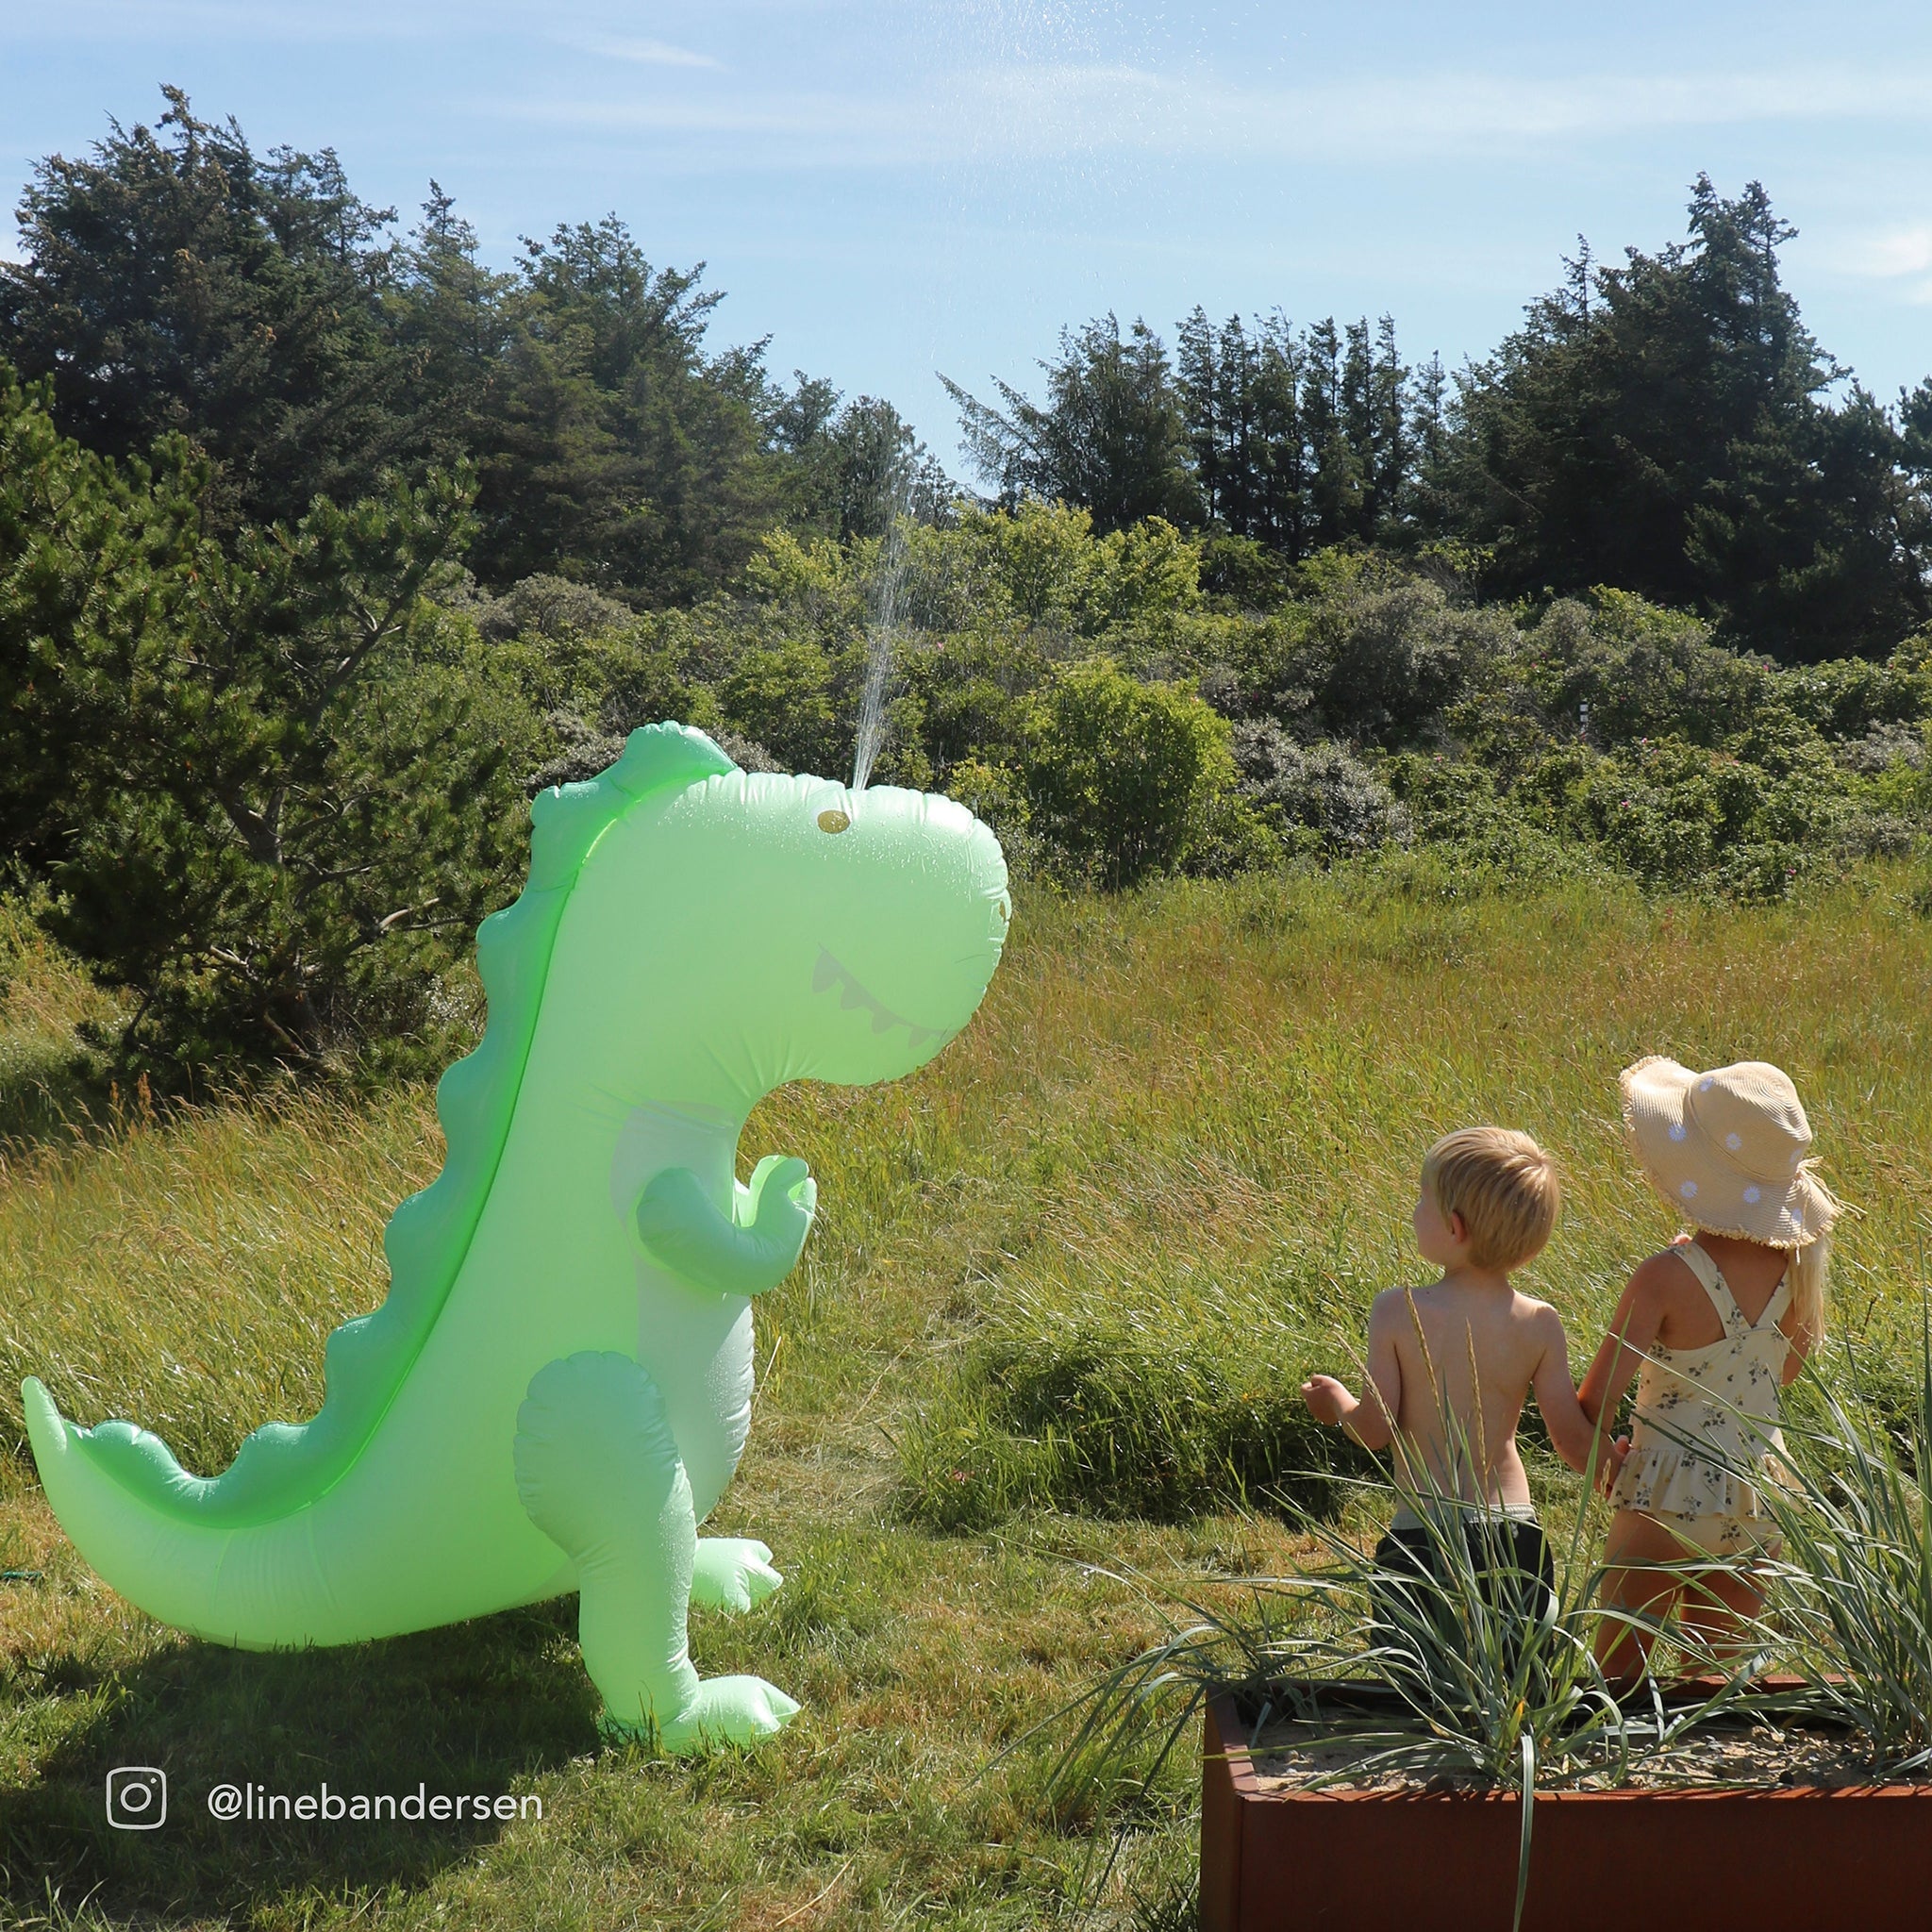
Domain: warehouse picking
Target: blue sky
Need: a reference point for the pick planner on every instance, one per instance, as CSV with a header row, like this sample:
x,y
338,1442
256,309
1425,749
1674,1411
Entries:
x,y
889,190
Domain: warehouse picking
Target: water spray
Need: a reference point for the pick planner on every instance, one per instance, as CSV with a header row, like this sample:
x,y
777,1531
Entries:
x,y
883,595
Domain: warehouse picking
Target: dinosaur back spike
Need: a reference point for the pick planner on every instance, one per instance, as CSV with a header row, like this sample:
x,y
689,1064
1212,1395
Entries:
x,y
282,1466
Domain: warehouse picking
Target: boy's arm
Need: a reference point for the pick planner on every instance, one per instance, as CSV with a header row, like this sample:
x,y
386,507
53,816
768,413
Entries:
x,y
1371,1421
1573,1435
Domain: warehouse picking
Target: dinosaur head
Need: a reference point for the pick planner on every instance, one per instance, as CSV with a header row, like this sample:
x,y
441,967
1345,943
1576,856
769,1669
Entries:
x,y
779,928
906,910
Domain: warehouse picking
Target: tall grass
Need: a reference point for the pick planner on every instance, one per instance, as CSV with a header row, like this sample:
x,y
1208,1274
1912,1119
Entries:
x,y
1851,1597
1154,1182
1218,1102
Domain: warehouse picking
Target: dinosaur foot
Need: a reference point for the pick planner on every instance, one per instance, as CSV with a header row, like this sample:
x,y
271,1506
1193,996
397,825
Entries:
x,y
727,1710
733,1572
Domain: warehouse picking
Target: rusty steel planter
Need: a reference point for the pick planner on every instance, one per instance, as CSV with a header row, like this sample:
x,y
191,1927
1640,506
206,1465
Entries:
x,y
1809,1860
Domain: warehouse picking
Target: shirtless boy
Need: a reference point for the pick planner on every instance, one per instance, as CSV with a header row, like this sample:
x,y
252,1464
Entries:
x,y
1450,1364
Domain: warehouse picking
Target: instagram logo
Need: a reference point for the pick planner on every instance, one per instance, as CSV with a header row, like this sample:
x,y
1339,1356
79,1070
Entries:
x,y
137,1797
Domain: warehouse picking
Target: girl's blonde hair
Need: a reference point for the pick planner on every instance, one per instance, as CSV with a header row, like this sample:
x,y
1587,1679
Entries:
x,y
1807,1272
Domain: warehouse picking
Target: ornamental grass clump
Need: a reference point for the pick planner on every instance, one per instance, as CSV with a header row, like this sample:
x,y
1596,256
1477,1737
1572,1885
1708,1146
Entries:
x,y
1476,1670
1851,1598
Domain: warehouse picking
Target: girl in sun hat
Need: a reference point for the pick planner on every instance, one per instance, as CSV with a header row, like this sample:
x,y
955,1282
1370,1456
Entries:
x,y
1718,1324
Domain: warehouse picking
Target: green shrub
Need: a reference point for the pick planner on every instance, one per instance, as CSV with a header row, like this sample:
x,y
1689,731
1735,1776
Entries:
x,y
971,687
993,795
1119,1425
1845,699
1043,564
1320,797
1620,670
1369,652
780,696
1120,775
269,788
1157,1402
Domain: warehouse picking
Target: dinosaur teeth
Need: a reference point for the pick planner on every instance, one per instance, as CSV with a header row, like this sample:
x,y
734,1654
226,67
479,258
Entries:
x,y
826,973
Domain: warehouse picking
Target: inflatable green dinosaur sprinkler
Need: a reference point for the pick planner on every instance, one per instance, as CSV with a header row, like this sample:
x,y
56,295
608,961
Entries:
x,y
557,1388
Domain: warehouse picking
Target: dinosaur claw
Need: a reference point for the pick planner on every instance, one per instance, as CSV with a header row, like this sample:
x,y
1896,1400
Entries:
x,y
733,1573
730,1711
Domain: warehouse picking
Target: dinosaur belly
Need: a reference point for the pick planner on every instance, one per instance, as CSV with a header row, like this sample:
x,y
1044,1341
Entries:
x,y
695,1345
700,1361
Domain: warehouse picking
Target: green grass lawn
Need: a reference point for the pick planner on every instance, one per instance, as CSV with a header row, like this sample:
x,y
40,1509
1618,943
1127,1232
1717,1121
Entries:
x,y
1047,1331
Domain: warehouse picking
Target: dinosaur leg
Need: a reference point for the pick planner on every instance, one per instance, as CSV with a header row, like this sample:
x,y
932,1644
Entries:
x,y
598,1469
732,1572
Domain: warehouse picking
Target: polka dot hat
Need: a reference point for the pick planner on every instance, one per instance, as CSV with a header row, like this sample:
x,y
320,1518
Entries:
x,y
1728,1149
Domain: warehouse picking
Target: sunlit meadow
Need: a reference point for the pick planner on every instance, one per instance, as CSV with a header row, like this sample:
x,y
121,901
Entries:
x,y
1049,1332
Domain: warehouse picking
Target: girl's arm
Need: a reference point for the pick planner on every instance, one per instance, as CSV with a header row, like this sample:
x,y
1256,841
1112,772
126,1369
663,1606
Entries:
x,y
1371,1421
1632,1335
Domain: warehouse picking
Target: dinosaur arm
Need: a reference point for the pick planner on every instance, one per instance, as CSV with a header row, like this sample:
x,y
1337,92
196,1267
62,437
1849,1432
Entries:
x,y
741,1253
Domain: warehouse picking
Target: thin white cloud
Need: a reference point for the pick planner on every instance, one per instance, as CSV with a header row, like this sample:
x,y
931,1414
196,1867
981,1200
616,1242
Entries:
x,y
238,23
1900,256
639,53
1092,106
1901,251
1039,112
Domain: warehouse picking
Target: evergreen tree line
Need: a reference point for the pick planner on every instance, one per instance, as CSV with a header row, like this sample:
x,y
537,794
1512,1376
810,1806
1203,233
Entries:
x,y
177,282
1287,442
321,549
1666,425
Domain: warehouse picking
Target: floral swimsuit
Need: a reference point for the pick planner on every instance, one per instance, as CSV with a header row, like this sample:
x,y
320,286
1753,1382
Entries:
x,y
1705,1415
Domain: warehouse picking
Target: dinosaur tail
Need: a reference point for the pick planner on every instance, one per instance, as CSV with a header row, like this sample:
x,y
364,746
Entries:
x,y
257,1586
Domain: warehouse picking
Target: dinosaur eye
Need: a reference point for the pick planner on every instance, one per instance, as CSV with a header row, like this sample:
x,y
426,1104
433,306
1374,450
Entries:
x,y
834,820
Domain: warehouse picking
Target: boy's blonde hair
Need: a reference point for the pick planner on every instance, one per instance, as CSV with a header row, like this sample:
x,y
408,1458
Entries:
x,y
1504,1187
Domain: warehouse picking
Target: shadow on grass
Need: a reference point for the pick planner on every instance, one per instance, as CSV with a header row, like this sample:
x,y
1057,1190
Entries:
x,y
477,1709
51,1095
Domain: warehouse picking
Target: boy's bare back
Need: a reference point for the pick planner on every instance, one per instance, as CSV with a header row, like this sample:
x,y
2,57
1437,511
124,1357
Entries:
x,y
1449,1365
1471,1353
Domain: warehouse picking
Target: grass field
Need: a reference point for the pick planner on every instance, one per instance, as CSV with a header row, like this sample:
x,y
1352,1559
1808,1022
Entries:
x,y
1049,1328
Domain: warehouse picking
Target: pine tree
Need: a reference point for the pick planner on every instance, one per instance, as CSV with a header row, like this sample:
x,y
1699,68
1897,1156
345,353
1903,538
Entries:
x,y
1110,436
177,281
270,787
1664,427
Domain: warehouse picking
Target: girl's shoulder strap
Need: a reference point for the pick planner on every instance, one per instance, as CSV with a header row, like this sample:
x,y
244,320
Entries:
x,y
1710,1278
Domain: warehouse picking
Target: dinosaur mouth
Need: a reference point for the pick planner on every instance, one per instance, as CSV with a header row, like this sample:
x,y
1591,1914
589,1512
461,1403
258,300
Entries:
x,y
828,973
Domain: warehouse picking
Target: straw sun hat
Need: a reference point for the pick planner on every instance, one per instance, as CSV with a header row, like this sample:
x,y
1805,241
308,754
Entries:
x,y
1728,1149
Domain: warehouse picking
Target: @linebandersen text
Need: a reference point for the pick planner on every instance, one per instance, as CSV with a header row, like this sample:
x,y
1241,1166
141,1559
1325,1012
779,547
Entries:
x,y
256,1804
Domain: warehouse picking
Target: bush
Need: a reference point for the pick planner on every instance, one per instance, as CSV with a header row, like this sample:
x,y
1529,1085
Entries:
x,y
1848,698
551,607
1323,798
270,787
996,797
1117,1420
780,696
1369,654
1617,669
1120,775
1043,565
